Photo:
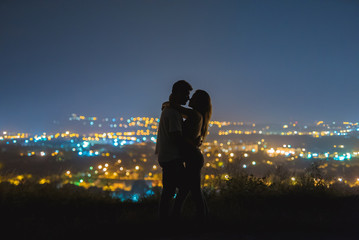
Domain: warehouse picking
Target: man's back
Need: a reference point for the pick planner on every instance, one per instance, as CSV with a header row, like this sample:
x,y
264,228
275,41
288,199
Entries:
x,y
170,123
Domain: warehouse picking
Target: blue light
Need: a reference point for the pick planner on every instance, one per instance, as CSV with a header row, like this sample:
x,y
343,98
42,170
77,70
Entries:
x,y
144,138
115,144
80,153
91,123
135,197
150,193
26,141
113,119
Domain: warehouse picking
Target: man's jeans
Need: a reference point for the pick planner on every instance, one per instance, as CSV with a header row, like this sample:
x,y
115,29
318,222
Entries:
x,y
172,177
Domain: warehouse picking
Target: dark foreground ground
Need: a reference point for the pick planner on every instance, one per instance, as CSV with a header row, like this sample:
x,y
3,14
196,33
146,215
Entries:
x,y
45,212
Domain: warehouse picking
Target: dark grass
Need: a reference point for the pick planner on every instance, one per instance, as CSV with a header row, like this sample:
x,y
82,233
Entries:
x,y
244,206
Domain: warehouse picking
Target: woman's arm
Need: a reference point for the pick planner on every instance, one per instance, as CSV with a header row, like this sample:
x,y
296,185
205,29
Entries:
x,y
192,128
185,112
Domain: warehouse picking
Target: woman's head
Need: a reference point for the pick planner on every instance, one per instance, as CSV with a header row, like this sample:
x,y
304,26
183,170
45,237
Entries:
x,y
201,102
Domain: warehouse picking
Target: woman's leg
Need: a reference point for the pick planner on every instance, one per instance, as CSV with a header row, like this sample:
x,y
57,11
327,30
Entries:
x,y
197,195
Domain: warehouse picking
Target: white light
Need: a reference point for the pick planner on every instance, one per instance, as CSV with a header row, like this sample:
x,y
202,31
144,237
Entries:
x,y
244,166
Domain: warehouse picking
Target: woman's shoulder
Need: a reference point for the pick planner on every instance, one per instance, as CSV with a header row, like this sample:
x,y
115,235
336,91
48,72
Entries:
x,y
196,115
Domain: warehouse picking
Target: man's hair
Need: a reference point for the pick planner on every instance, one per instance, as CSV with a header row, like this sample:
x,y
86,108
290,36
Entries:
x,y
181,86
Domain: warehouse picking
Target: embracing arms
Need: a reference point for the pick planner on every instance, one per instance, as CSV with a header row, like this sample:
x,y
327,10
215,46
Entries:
x,y
192,124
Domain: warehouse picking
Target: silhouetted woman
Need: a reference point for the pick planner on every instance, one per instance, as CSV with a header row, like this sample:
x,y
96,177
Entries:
x,y
195,129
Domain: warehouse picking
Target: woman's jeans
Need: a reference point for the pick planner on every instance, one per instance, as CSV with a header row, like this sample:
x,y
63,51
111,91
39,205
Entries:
x,y
192,184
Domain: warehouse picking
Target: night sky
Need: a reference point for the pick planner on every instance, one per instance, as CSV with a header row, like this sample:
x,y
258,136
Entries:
x,y
261,61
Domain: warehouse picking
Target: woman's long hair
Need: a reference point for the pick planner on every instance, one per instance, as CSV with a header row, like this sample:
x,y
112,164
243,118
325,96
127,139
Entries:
x,y
204,106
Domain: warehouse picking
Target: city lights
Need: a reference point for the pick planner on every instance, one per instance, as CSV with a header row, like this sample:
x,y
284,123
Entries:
x,y
224,150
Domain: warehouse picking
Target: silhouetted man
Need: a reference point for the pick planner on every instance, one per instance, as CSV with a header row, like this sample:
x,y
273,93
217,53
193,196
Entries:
x,y
169,141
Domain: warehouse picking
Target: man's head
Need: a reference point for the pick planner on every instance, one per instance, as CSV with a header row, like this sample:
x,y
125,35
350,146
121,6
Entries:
x,y
180,92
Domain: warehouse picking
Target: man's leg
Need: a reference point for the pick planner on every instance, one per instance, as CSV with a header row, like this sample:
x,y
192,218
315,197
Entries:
x,y
181,195
168,191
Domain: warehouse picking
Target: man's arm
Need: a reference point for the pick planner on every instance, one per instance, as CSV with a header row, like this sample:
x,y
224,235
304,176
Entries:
x,y
177,138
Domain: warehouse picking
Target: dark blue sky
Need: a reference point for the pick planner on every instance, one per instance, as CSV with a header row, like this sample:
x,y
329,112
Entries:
x,y
261,61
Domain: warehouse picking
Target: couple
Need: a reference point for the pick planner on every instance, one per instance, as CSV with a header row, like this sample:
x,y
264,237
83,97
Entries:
x,y
178,150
